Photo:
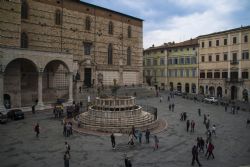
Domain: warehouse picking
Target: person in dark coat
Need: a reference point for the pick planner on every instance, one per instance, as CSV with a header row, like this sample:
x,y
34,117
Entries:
x,y
37,130
127,162
195,156
112,137
188,125
147,134
66,158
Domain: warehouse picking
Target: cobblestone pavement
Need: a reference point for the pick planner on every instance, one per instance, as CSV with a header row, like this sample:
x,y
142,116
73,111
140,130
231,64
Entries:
x,y
20,147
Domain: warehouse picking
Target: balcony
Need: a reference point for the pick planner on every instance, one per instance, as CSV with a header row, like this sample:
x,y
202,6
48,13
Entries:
x,y
234,80
234,62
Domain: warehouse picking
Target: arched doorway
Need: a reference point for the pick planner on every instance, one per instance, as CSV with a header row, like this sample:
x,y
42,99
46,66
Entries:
x,y
245,95
56,82
193,88
187,87
219,91
233,92
201,91
7,101
179,88
211,91
21,82
171,86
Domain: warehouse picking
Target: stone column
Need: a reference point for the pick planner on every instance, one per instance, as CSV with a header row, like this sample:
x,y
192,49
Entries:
x,y
1,91
40,104
70,78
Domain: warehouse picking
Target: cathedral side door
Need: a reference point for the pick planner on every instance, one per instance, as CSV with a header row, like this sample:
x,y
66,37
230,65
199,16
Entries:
x,y
87,77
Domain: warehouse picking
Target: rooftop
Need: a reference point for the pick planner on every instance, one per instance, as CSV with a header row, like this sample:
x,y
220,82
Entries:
x,y
226,31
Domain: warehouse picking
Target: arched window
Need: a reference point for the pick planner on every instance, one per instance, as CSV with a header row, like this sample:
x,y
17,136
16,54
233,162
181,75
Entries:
x,y
110,27
129,31
129,56
24,10
110,54
24,40
58,17
87,23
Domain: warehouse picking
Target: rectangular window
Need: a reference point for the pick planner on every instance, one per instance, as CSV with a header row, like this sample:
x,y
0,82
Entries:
x,y
169,61
148,62
202,44
216,74
210,44
155,62
188,60
162,73
181,60
245,55
225,56
217,42
175,73
234,56
175,61
162,61
181,73
245,38
209,74
187,73
194,73
87,48
217,57
202,74
202,58
193,60
234,40
210,58
245,75
225,41
224,74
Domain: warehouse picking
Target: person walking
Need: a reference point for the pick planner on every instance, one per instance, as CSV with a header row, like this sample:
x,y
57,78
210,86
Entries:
x,y
199,111
130,139
169,107
37,130
210,150
112,137
173,107
147,134
133,132
205,119
140,136
188,125
161,99
192,125
67,146
202,144
214,130
66,158
33,109
156,140
195,156
225,107
127,162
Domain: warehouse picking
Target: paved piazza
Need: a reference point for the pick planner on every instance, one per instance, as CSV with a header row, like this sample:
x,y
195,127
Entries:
x,y
20,147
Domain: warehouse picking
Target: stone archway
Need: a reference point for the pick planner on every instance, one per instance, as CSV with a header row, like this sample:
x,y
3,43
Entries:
x,y
20,82
245,95
234,92
211,91
219,91
56,79
187,87
201,90
193,86
179,88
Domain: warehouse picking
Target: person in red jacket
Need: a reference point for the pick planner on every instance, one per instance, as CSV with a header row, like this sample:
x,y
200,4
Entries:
x,y
210,149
